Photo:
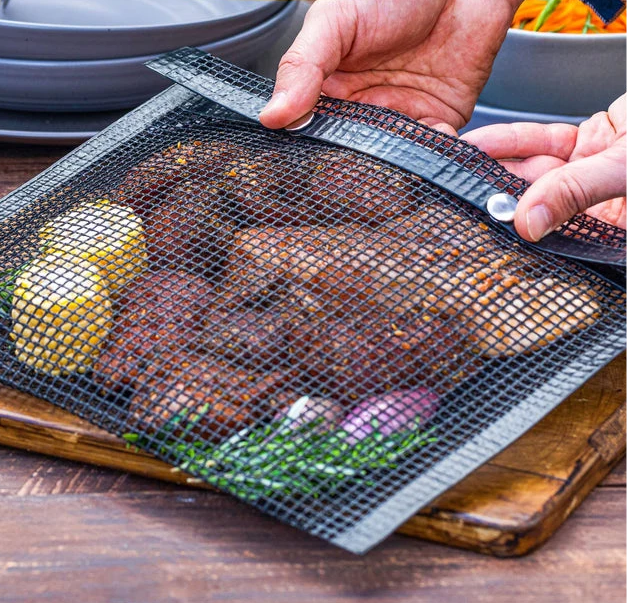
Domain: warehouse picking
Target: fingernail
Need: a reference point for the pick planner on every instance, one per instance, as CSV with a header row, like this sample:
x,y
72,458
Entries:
x,y
539,222
277,102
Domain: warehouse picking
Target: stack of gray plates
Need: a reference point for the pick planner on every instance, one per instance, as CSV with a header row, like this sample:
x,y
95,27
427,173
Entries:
x,y
68,57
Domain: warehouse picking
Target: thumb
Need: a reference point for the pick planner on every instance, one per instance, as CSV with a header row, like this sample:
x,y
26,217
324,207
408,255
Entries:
x,y
566,191
314,55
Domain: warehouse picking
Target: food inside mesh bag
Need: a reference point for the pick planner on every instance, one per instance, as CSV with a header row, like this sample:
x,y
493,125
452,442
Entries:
x,y
370,272
184,233
225,398
104,233
338,281
61,304
61,311
255,188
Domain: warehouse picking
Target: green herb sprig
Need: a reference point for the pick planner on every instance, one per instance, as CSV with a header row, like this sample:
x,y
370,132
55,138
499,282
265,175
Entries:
x,y
8,279
278,459
588,25
550,7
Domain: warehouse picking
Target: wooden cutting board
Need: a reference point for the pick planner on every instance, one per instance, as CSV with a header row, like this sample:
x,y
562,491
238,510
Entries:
x,y
506,508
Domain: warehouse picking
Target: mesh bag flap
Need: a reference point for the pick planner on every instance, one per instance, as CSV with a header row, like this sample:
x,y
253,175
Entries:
x,y
317,331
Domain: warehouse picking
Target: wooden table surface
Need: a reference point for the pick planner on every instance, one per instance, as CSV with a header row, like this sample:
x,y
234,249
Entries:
x,y
71,532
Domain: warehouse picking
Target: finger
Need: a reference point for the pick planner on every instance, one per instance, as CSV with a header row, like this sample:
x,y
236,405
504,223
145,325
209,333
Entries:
x,y
613,212
617,115
440,126
522,140
595,134
315,53
566,191
532,168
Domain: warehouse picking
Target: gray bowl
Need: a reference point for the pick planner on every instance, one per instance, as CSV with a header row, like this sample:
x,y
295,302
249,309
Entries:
x,y
104,29
568,74
119,83
484,115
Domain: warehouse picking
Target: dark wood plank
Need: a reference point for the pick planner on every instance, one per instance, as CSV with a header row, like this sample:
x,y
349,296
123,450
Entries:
x,y
19,163
190,545
39,475
616,478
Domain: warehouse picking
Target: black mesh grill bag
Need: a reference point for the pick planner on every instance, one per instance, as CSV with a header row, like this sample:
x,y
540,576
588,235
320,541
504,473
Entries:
x,y
306,325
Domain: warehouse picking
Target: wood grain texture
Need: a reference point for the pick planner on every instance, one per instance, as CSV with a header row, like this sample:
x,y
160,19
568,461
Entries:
x,y
192,546
19,163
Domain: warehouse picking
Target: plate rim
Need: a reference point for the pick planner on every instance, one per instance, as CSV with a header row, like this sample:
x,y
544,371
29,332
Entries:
x,y
44,42
60,29
528,115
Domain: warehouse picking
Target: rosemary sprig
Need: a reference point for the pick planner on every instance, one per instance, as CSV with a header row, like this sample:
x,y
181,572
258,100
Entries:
x,y
277,459
7,285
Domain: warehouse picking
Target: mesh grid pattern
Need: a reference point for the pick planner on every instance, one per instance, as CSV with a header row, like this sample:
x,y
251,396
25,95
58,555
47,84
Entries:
x,y
450,164
330,338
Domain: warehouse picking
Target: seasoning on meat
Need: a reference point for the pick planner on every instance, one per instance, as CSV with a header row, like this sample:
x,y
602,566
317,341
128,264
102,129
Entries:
x,y
159,317
356,192
188,228
365,358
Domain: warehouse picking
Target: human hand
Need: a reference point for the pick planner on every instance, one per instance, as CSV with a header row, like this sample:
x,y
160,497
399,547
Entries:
x,y
571,169
428,59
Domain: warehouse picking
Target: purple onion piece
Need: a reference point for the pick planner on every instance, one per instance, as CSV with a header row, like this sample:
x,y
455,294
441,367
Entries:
x,y
393,411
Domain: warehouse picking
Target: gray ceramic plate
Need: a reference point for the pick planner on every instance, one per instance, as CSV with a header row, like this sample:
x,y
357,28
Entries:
x,y
72,128
563,74
53,128
103,29
71,86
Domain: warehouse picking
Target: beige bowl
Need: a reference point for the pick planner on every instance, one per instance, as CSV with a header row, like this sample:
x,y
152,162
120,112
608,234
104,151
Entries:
x,y
570,74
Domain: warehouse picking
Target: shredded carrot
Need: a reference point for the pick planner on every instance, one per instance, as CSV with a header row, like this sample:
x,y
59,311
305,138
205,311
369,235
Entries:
x,y
568,16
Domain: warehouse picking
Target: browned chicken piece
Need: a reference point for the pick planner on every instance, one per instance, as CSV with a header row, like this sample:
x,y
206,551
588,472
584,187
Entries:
x,y
156,176
329,188
189,229
366,192
364,282
215,399
518,316
176,294
505,308
354,360
263,192
262,259
318,260
159,316
256,338
436,261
